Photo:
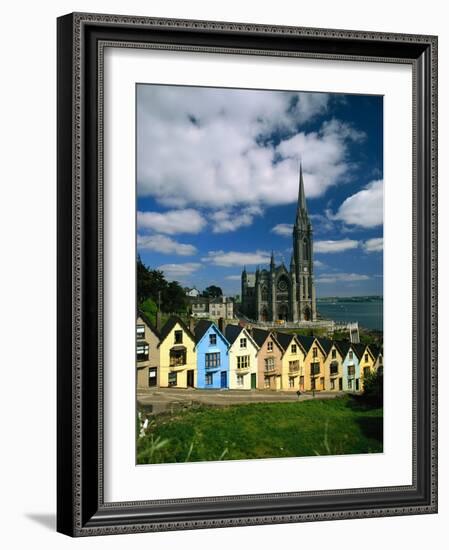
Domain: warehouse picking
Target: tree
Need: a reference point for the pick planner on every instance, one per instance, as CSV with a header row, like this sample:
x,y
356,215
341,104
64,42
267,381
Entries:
x,y
373,388
212,292
149,282
174,298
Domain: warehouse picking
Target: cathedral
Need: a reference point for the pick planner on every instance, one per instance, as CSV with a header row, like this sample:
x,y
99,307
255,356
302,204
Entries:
x,y
285,294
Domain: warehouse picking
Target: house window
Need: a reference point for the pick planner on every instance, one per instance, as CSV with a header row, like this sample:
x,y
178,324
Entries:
x,y
301,381
209,379
172,378
351,370
350,383
178,357
142,351
212,360
266,381
366,371
334,369
381,360
243,342
270,346
334,353
314,369
243,362
178,336
140,331
269,363
293,366
293,348
322,383
291,382
212,339
315,352
333,384
357,385
239,380
366,358
350,354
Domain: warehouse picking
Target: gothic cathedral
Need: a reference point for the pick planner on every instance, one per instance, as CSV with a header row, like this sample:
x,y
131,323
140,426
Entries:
x,y
278,293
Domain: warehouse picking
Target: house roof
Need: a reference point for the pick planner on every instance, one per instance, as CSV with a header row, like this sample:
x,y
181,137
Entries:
x,y
284,339
149,324
201,328
375,350
326,344
232,332
305,341
343,347
359,349
260,335
168,327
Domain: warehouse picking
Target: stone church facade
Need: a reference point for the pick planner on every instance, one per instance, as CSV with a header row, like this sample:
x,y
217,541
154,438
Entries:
x,y
285,294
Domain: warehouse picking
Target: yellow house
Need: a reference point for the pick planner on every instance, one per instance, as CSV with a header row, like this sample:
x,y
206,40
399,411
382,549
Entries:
x,y
367,363
292,361
378,354
333,364
147,353
177,355
314,376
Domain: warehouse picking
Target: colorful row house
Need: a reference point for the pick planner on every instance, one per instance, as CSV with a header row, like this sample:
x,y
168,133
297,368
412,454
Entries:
x,y
248,359
177,355
242,358
212,351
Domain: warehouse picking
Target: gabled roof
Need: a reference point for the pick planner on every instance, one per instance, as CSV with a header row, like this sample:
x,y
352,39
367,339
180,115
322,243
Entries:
x,y
260,335
284,339
201,328
326,344
149,324
169,325
359,349
343,347
375,350
232,332
305,341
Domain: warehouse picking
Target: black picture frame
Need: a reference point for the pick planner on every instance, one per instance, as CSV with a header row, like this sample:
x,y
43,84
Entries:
x,y
81,510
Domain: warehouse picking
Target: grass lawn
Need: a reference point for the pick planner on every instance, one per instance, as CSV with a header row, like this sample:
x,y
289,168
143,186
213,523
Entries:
x,y
263,430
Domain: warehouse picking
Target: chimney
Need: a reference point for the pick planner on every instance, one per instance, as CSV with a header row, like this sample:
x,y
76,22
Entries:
x,y
222,324
191,325
158,320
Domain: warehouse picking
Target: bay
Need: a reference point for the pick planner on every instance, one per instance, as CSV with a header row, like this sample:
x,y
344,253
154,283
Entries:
x,y
368,313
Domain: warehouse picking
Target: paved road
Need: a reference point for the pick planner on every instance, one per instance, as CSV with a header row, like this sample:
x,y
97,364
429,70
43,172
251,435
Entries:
x,y
162,399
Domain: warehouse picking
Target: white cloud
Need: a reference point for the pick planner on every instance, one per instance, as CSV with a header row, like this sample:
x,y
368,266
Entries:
x,y
335,246
326,278
212,148
179,271
233,277
172,221
374,245
164,245
231,259
364,208
227,220
283,229
319,264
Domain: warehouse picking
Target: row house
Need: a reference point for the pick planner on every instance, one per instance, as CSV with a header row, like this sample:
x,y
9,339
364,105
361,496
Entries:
x,y
248,359
269,360
147,353
243,364
292,361
177,355
212,352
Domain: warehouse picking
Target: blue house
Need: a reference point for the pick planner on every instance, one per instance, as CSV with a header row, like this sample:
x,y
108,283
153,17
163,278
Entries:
x,y
351,354
212,352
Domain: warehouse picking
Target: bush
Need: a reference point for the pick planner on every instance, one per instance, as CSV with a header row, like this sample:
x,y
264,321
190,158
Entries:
x,y
373,388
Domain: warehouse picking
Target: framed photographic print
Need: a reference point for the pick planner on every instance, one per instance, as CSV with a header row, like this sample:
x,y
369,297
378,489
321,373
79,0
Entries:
x,y
246,274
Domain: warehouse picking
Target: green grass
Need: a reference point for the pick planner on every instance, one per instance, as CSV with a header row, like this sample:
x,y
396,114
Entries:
x,y
303,428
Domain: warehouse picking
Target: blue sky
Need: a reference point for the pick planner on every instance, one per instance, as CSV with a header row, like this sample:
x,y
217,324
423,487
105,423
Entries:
x,y
217,184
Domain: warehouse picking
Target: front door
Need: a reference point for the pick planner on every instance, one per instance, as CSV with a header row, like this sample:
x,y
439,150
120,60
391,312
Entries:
x,y
190,378
152,377
224,379
253,380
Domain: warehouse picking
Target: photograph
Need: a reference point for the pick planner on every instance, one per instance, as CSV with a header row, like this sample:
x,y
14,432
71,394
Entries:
x,y
259,273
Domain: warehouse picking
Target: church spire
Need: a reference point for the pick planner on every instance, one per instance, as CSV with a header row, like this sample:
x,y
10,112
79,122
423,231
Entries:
x,y
302,205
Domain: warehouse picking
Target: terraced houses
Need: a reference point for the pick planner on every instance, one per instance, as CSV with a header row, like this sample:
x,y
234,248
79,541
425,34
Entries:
x,y
239,358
